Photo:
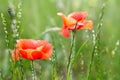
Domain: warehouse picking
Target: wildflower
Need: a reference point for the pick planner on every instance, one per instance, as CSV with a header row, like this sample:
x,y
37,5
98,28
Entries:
x,y
32,49
74,21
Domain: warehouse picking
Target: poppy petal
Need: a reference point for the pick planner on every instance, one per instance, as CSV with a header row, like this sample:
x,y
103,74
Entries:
x,y
26,54
87,25
32,49
47,50
29,44
26,44
67,21
65,32
77,27
36,55
78,16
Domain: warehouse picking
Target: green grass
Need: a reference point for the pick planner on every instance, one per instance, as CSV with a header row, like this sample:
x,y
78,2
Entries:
x,y
39,18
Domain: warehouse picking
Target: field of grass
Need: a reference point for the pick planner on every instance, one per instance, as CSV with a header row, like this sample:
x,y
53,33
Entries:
x,y
85,55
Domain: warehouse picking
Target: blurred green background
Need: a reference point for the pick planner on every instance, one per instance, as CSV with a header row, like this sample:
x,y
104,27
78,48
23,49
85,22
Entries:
x,y
40,16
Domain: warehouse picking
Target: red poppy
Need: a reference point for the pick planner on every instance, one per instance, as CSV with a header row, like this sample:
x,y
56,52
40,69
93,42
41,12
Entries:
x,y
74,19
32,49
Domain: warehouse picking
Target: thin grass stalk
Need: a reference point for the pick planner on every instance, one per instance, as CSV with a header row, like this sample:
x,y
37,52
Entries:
x,y
90,65
96,47
71,54
98,50
78,53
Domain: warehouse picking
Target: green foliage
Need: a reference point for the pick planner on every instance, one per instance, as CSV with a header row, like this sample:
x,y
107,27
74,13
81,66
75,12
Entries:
x,y
37,19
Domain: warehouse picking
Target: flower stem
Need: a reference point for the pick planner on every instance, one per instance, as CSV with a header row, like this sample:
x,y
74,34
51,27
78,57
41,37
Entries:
x,y
33,70
71,54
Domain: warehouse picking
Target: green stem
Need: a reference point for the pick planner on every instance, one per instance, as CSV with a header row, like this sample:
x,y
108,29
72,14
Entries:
x,y
33,70
70,55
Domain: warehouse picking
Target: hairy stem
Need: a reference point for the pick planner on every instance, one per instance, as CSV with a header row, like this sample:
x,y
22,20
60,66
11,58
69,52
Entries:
x,y
71,53
33,70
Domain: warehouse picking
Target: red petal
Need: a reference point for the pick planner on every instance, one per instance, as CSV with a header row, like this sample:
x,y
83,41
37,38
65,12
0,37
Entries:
x,y
29,43
67,21
26,44
36,55
87,25
47,51
65,32
78,16
34,49
44,52
27,54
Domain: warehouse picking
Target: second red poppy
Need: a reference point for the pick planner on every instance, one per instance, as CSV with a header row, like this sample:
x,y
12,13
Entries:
x,y
69,22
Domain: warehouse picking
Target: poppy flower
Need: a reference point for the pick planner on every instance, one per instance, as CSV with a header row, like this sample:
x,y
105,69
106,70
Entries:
x,y
74,21
32,49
